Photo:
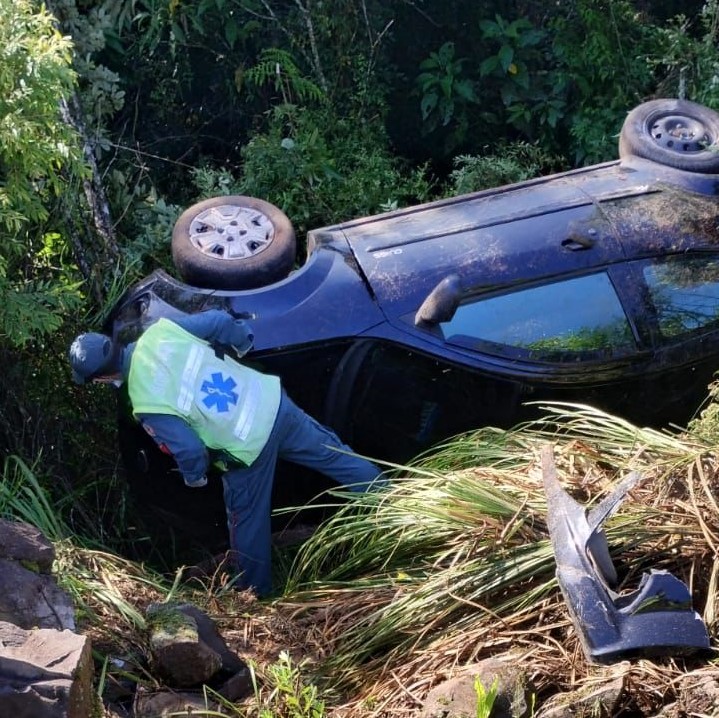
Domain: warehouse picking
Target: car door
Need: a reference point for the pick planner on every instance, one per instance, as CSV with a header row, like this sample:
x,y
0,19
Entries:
x,y
392,402
568,339
577,338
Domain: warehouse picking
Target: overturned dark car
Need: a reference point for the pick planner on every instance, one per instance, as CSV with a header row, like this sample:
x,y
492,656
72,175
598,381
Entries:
x,y
599,285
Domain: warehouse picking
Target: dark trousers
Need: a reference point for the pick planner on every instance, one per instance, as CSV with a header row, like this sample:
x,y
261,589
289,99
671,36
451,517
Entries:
x,y
298,438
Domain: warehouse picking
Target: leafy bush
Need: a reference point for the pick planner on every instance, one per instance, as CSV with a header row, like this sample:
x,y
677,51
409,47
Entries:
x,y
148,228
513,163
447,95
686,57
321,168
601,49
531,89
39,153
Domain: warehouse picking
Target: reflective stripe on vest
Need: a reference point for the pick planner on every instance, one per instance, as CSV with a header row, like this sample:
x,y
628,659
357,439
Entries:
x,y
230,406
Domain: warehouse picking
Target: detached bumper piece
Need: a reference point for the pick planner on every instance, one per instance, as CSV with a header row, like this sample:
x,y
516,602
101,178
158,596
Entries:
x,y
654,620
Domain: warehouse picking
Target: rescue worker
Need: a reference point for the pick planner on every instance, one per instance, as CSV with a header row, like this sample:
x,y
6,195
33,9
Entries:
x,y
201,406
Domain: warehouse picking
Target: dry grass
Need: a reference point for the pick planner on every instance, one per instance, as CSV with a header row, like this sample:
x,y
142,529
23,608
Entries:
x,y
670,521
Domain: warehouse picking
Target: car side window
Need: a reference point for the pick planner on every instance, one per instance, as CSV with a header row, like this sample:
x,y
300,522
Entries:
x,y
578,318
685,293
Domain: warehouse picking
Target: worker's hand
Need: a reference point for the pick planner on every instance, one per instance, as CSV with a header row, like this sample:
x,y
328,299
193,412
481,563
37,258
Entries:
x,y
243,341
242,350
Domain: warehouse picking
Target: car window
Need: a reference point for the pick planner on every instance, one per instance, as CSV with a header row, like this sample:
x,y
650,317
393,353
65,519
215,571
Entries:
x,y
685,293
575,318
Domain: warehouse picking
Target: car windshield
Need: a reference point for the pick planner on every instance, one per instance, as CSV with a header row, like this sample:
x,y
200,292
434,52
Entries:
x,y
582,316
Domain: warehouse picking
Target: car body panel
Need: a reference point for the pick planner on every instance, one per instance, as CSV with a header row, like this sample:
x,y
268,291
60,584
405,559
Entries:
x,y
364,336
565,223
291,312
655,619
488,239
355,287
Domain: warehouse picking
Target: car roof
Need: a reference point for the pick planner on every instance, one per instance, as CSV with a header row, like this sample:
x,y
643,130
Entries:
x,y
550,226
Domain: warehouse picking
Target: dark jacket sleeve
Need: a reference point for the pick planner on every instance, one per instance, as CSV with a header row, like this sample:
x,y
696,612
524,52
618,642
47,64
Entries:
x,y
176,437
217,326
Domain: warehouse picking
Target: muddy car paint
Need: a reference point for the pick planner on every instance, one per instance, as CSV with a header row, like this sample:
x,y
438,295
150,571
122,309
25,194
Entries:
x,y
364,281
362,333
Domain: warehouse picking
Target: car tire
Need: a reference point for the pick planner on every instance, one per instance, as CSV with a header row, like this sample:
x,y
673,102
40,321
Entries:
x,y
675,133
233,242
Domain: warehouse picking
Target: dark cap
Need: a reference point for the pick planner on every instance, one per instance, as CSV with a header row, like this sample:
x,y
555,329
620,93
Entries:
x,y
91,355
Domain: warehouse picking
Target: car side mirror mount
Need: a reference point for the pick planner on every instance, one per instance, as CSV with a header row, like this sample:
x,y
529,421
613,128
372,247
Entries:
x,y
441,303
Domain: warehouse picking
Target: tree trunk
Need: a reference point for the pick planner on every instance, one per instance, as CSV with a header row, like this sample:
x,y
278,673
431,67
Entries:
x,y
95,246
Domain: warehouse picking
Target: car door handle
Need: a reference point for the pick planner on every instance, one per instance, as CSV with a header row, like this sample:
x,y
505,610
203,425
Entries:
x,y
576,243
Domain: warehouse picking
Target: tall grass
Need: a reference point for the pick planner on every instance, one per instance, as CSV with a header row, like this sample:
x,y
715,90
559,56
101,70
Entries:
x,y
453,561
103,586
22,497
110,593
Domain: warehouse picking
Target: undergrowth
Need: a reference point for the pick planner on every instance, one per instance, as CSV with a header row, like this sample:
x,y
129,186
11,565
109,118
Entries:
x,y
449,565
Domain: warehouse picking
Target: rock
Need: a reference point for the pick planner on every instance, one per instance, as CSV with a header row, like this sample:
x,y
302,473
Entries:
x,y
233,681
585,703
30,600
161,704
208,634
164,704
699,695
24,543
457,697
237,686
178,652
187,650
45,673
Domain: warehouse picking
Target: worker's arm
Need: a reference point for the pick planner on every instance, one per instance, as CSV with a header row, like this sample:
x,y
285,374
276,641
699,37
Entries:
x,y
177,438
219,327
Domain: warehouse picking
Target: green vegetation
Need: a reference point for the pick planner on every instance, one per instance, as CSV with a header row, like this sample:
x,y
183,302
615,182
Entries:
x,y
330,112
39,159
322,177
485,697
285,693
517,162
459,547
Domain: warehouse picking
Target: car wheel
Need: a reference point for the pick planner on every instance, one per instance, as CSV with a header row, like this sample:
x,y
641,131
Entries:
x,y
233,242
675,133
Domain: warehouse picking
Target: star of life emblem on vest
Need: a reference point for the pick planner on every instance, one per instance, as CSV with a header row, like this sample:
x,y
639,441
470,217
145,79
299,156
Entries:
x,y
219,392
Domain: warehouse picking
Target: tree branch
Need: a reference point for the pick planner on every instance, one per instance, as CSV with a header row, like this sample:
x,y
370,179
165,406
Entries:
x,y
413,4
93,187
307,15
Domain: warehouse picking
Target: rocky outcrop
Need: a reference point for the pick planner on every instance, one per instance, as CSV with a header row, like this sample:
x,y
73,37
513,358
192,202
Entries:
x,y
458,697
30,600
27,545
45,673
29,595
45,668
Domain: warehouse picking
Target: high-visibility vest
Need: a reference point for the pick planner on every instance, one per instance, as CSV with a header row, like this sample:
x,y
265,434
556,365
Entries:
x,y
231,407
